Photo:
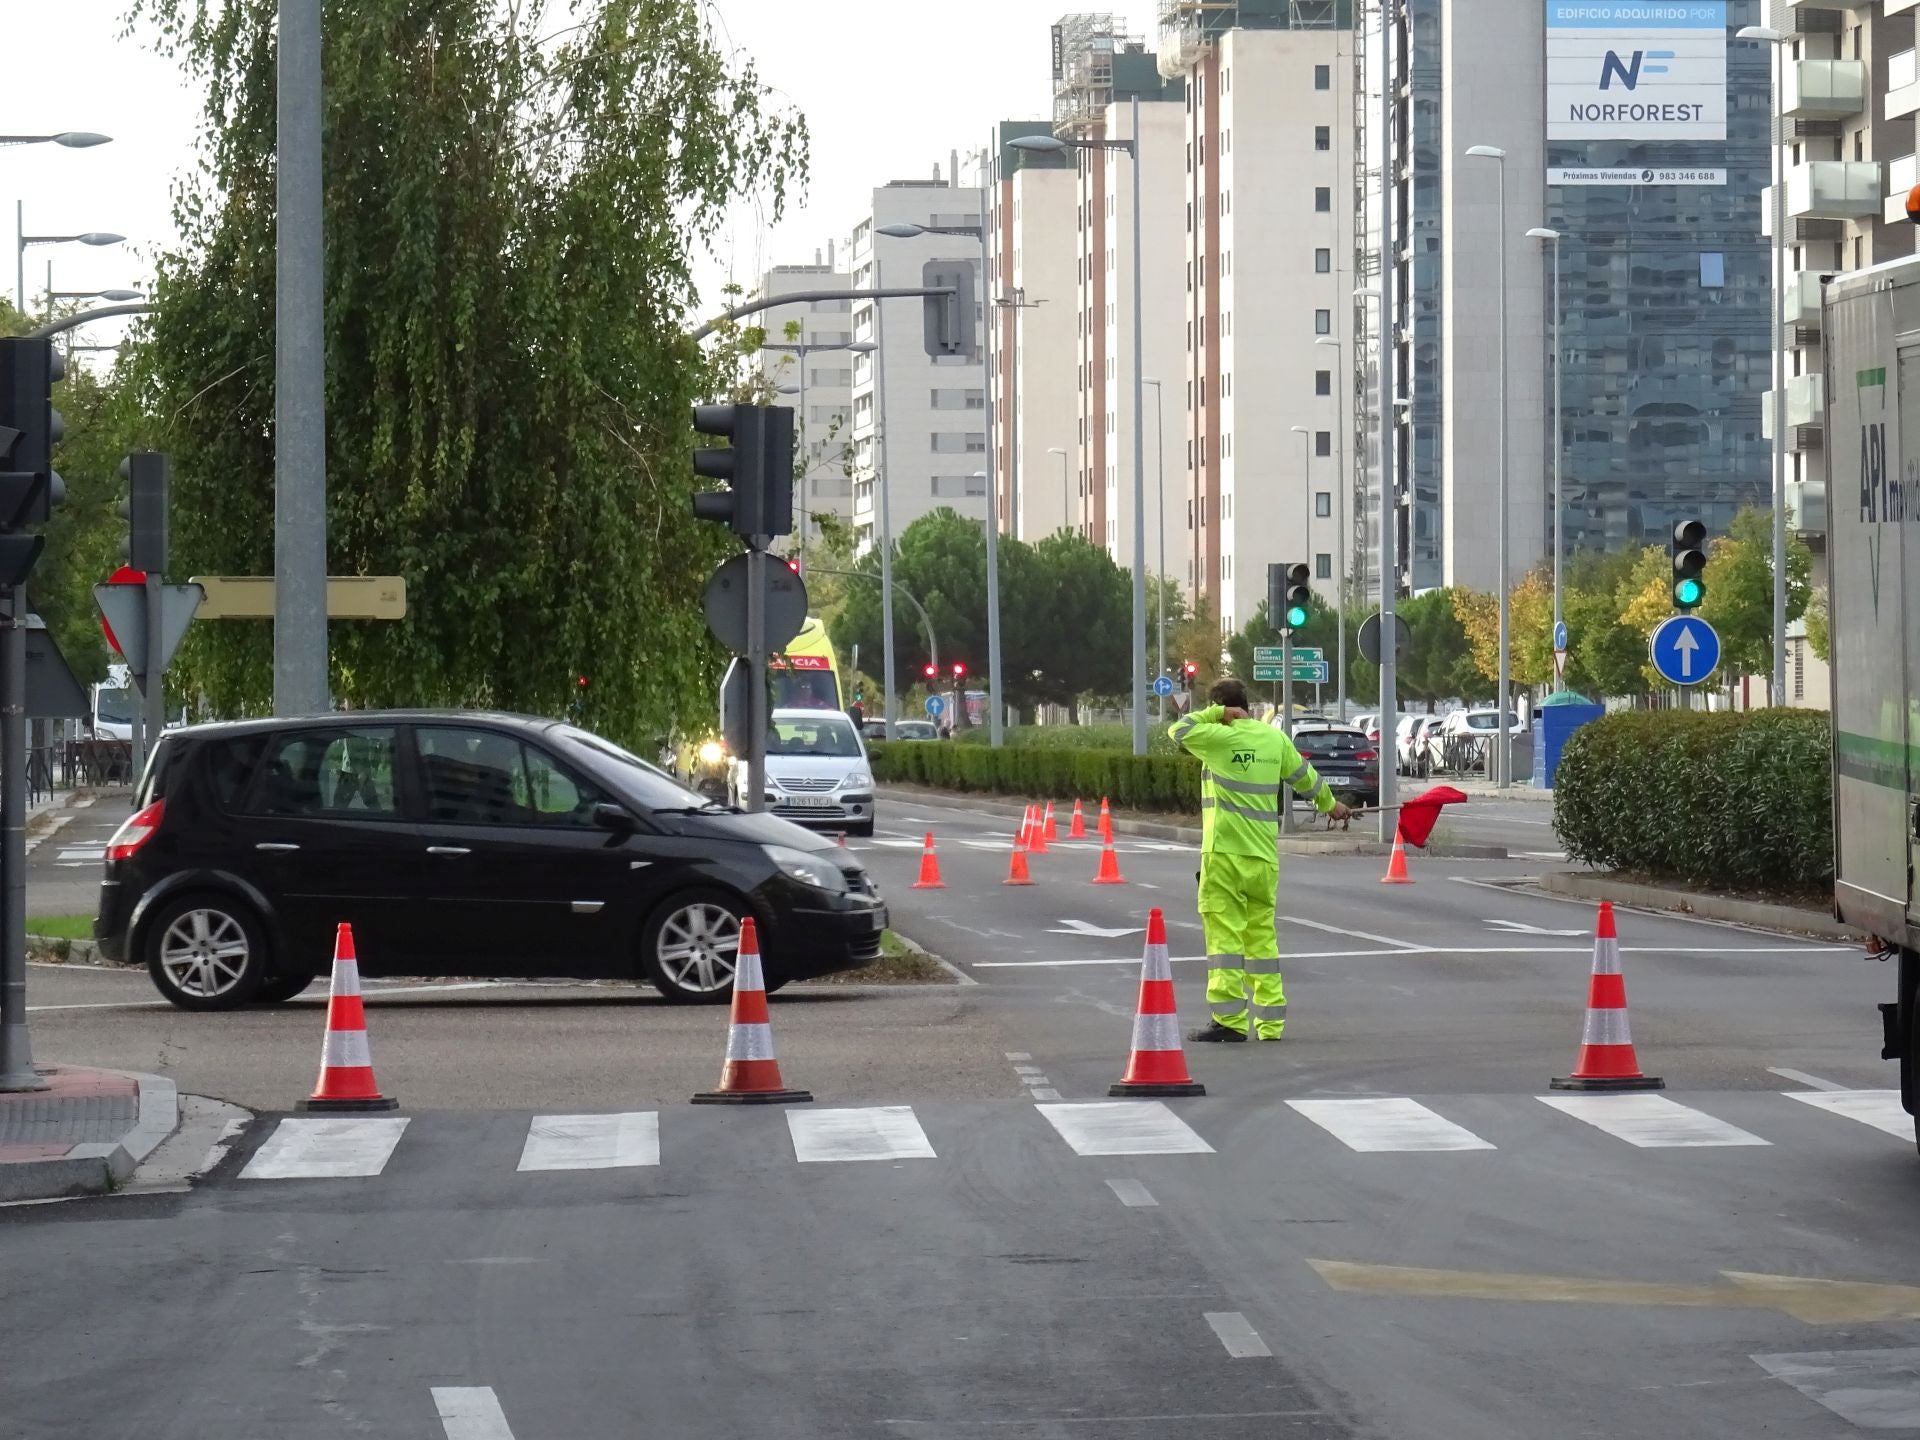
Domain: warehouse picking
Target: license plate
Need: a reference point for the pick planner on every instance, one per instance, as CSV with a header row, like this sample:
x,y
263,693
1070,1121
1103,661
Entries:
x,y
810,802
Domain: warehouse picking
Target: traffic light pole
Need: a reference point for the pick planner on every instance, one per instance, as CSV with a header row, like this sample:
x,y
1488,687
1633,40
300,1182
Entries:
x,y
16,1048
1286,722
153,681
757,674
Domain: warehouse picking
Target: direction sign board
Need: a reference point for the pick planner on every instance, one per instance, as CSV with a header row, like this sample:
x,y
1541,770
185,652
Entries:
x,y
936,706
349,597
1162,685
1560,636
1271,654
1685,649
1309,672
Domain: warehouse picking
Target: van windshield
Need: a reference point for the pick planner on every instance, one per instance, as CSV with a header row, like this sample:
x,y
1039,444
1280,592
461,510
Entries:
x,y
112,706
830,735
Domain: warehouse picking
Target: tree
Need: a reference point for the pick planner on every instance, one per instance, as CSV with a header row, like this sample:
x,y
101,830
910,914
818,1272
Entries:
x,y
1439,660
1604,655
1739,601
1819,627
1075,635
511,207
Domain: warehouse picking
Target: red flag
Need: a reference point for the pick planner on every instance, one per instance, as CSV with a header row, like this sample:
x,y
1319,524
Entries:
x,y
1419,815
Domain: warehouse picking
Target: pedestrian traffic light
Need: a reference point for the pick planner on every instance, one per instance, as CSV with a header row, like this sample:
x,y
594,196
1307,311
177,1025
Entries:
x,y
29,428
757,468
1299,596
1689,551
145,511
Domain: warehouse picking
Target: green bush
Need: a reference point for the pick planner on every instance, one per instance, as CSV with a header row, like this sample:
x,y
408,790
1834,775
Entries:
x,y
1076,737
1134,782
1738,800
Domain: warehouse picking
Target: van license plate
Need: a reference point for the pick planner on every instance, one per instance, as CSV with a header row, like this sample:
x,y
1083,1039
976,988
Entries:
x,y
810,802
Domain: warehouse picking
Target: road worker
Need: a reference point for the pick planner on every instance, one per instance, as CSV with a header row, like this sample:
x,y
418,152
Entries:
x,y
1246,762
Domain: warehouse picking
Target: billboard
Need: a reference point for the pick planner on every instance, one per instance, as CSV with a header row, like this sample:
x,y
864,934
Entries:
x,y
1636,70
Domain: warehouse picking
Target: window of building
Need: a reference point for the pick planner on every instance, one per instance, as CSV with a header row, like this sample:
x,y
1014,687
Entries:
x,y
1323,77
1323,566
1713,269
1323,262
1323,322
1323,503
1323,382
1799,669
955,487
1323,199
1323,137
958,400
1323,442
960,443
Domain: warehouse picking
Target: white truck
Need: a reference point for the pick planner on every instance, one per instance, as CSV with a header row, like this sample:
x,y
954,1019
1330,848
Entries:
x,y
1872,381
112,704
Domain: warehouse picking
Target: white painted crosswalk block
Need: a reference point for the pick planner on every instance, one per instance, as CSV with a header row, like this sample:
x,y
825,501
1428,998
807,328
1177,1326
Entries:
x,y
592,1142
1878,1108
1651,1122
333,1148
1124,1127
878,1132
1378,1126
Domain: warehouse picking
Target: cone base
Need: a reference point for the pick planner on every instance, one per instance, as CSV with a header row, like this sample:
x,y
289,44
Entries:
x,y
1016,882
1123,1088
927,885
752,1097
1608,1082
314,1105
1396,879
1109,880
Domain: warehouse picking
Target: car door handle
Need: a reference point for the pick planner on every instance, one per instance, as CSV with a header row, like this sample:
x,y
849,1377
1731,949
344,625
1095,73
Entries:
x,y
448,850
276,847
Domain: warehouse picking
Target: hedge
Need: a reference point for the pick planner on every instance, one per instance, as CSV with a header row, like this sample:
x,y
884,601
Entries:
x,y
1735,800
1076,737
1134,782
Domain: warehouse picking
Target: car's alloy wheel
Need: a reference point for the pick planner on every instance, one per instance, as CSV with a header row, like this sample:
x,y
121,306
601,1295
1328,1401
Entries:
x,y
205,952
695,949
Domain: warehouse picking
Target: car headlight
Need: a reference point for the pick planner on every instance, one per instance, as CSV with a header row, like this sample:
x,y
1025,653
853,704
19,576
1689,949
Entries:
x,y
808,868
712,753
858,780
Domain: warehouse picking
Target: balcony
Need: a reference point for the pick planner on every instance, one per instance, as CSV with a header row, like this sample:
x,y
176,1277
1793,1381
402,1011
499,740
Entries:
x,y
1826,89
1831,190
1806,411
1902,175
1903,85
1807,507
1803,299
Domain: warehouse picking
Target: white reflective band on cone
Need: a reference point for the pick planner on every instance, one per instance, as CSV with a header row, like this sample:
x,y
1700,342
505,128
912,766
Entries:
x,y
1157,966
750,1042
1156,1032
1606,957
746,971
346,1048
1606,1027
346,977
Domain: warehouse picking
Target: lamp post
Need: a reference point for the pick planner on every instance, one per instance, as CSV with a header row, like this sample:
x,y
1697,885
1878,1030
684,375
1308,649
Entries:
x,y
1339,545
1503,748
1541,232
1777,146
71,139
1066,507
800,349
1160,579
1053,145
22,240
871,349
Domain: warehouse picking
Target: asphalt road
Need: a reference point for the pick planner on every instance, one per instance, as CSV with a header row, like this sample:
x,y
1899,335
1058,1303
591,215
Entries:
x,y
1376,1228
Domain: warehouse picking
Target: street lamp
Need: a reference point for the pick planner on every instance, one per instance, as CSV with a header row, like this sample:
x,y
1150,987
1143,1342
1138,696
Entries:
x,y
1053,145
801,349
1504,747
1066,508
1160,579
1779,689
996,703
1542,232
93,294
880,483
22,240
1339,549
71,139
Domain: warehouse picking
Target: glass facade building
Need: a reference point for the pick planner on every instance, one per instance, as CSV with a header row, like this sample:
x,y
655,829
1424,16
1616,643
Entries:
x,y
1419,284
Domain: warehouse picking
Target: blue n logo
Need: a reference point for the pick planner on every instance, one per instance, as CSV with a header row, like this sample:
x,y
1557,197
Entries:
x,y
1629,73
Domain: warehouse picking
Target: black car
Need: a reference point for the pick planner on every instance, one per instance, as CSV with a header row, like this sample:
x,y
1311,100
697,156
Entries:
x,y
1347,760
457,844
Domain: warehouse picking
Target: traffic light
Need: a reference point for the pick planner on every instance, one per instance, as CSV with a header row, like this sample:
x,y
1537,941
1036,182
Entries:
x,y
145,511
959,671
1187,671
931,670
949,320
758,468
1689,550
1299,596
29,429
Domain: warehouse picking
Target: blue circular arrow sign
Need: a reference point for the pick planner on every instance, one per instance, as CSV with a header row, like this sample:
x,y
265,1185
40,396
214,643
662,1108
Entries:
x,y
1162,686
1685,649
1560,635
935,705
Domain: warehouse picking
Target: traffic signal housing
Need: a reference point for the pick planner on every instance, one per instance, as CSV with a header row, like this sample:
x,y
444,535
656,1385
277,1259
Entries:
x,y
145,511
757,468
30,491
959,671
1689,552
1299,596
931,670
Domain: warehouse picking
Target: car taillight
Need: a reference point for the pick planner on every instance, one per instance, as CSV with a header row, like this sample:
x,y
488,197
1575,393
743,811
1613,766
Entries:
x,y
138,829
1368,755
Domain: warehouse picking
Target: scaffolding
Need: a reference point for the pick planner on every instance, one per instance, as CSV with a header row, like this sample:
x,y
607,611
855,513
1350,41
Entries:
x,y
1366,351
1189,27
1083,50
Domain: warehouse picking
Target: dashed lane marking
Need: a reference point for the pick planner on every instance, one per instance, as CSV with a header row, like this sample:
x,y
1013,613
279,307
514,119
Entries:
x,y
1236,1332
1374,1126
470,1413
1879,1108
1652,1122
1124,1127
335,1148
592,1142
1801,1077
882,1132
1133,1194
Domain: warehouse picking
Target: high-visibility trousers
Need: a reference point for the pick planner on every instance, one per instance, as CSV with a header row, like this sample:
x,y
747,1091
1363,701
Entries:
x,y
1237,895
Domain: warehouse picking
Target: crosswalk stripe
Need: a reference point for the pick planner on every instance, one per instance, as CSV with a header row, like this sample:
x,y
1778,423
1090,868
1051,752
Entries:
x,y
333,1148
877,1132
470,1412
1878,1108
1388,1125
1124,1127
1652,1122
592,1142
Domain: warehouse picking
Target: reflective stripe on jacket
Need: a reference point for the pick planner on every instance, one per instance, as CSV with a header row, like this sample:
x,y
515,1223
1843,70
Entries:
x,y
1245,764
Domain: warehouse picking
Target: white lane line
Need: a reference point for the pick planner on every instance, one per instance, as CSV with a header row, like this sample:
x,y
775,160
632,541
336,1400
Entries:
x,y
1378,1126
1878,1108
1043,1092
98,1004
330,1149
1124,1127
1394,941
82,853
1445,950
1133,1194
1134,960
898,844
1236,1332
1801,1077
1018,1056
470,1413
592,1142
1519,886
879,1132
1652,1122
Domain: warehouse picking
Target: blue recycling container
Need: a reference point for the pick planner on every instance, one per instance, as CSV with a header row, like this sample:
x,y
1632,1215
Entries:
x,y
1557,717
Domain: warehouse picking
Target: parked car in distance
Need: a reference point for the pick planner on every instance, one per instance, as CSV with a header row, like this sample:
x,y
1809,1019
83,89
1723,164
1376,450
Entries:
x,y
1480,720
1368,724
1346,758
1413,746
457,843
915,730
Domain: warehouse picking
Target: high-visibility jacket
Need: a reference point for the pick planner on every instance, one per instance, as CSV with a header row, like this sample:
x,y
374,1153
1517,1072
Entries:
x,y
1245,763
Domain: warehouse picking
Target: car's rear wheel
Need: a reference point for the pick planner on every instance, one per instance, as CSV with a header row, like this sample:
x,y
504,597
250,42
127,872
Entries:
x,y
690,946
206,952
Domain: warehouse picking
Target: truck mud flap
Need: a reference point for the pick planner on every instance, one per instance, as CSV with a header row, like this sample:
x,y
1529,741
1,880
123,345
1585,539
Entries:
x,y
1892,1040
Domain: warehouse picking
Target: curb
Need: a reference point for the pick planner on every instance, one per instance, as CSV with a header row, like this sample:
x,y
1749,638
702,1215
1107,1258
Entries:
x,y
1192,834
960,977
72,952
1758,913
98,1167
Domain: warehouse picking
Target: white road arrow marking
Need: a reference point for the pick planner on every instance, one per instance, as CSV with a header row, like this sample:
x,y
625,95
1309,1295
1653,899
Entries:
x,y
1081,927
1531,929
1686,645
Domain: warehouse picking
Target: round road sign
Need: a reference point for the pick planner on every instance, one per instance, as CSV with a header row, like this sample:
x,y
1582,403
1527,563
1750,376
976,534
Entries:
x,y
936,705
1162,685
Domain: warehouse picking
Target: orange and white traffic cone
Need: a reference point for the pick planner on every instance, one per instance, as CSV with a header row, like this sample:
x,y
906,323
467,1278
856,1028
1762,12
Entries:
x,y
1106,821
751,1074
1017,866
1397,863
1036,832
1077,830
1109,873
929,868
346,1081
1048,832
1607,1061
842,840
1157,1064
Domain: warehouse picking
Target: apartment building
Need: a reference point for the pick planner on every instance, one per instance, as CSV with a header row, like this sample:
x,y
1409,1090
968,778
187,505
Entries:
x,y
807,365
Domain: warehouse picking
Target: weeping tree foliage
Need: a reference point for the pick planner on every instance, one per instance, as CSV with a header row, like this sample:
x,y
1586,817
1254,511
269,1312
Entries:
x,y
513,192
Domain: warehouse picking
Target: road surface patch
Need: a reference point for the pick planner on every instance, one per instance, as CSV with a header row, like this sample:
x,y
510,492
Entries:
x,y
326,1149
878,1132
1124,1127
592,1142
470,1413
1873,1389
1236,1332
1652,1122
1133,1194
1378,1126
1878,1108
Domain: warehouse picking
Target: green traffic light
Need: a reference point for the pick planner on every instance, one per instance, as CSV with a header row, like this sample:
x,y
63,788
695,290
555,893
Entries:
x,y
1296,616
1688,593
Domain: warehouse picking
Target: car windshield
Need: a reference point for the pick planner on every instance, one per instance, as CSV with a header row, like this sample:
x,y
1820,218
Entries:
x,y
828,735
650,786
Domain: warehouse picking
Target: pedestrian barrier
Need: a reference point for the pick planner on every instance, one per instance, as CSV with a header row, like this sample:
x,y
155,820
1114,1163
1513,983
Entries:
x,y
1397,862
1017,865
346,1081
929,868
1078,830
751,1074
1156,1065
1048,832
1109,872
1607,1060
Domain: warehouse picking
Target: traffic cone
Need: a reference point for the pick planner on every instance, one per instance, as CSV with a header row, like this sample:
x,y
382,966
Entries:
x,y
346,1081
1048,831
929,868
1607,1061
1106,821
1157,1064
751,1075
843,840
1397,863
1109,866
1017,866
1036,832
1078,830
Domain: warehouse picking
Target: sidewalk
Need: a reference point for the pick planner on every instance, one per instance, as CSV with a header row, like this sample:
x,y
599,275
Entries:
x,y
84,1134
1480,789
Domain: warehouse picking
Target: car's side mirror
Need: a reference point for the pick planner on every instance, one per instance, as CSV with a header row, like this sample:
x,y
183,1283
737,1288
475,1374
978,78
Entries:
x,y
614,818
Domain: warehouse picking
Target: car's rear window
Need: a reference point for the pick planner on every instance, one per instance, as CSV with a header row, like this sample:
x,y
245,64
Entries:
x,y
230,765
1331,742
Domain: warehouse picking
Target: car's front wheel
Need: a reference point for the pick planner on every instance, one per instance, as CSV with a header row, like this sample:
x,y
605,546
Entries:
x,y
277,988
691,945
206,952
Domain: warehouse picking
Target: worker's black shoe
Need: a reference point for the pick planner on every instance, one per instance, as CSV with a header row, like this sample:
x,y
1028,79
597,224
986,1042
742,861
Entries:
x,y
1217,1034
